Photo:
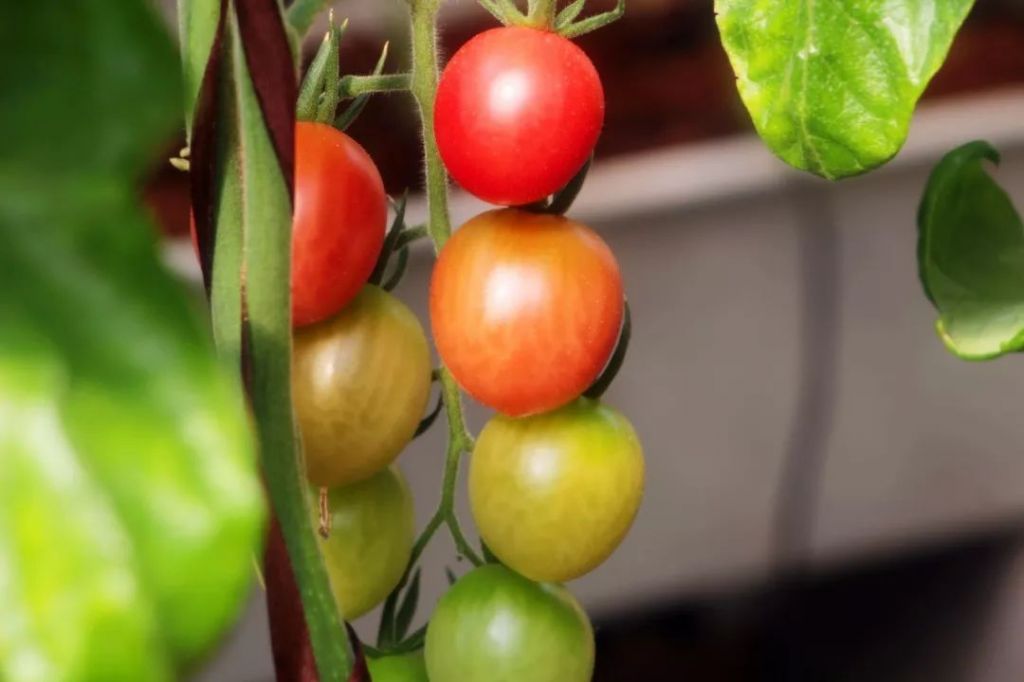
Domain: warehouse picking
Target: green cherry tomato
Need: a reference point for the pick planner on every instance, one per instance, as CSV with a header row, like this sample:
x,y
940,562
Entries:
x,y
496,626
360,385
403,668
371,538
553,494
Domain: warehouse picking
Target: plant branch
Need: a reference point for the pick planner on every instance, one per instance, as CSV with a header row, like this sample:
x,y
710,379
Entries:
x,y
266,344
354,86
424,85
423,14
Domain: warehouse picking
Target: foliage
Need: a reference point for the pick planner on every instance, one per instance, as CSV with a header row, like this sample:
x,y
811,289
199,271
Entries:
x,y
129,502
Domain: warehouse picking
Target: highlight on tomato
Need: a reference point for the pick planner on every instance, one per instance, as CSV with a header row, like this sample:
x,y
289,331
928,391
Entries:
x,y
496,626
525,308
517,114
360,386
370,540
554,494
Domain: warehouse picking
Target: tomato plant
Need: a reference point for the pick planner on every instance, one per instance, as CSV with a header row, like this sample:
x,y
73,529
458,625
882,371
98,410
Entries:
x,y
554,494
340,215
370,539
360,382
525,309
498,626
518,113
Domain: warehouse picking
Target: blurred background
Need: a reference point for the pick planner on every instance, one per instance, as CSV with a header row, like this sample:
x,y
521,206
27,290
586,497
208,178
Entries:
x,y
831,495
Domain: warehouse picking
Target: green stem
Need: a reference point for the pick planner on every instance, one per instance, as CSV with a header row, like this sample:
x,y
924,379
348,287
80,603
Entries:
x,y
266,214
542,13
354,86
424,87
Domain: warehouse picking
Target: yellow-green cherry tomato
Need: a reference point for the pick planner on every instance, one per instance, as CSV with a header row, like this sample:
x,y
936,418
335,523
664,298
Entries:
x,y
360,385
399,668
553,494
371,538
496,626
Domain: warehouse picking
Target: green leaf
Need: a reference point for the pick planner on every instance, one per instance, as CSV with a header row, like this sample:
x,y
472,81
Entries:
x,y
318,95
407,610
831,84
971,256
130,506
197,24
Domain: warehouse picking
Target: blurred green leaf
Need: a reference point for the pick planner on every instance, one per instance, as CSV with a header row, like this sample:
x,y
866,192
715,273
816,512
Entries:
x,y
129,502
831,86
971,255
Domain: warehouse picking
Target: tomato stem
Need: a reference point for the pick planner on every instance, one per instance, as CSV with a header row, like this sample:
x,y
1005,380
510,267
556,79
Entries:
x,y
504,11
354,86
423,14
573,29
542,13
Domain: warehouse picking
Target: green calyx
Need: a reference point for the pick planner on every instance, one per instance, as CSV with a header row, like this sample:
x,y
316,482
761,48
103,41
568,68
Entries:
x,y
545,15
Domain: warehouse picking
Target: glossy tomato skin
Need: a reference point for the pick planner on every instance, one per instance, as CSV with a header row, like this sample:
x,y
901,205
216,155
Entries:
x,y
525,309
409,667
360,385
496,626
517,114
554,494
371,538
339,221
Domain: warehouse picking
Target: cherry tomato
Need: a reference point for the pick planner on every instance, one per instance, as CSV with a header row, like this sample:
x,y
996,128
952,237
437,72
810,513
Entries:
x,y
404,668
525,308
371,538
496,626
339,221
554,494
360,385
517,114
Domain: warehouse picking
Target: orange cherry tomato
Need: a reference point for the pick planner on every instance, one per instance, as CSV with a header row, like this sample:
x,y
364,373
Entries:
x,y
525,309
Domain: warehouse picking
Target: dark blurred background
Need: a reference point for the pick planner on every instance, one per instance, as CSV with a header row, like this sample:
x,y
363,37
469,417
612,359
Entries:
x,y
831,496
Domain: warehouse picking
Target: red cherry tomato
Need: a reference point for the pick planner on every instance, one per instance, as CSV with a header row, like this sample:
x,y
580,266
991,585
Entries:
x,y
339,221
518,112
525,309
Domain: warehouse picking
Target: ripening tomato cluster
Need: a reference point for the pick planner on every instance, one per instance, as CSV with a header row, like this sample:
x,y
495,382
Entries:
x,y
361,367
526,308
